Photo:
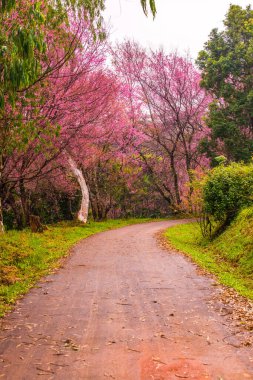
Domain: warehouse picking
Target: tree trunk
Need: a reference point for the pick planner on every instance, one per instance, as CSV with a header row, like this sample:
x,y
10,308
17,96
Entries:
x,y
84,208
175,179
1,218
18,213
35,224
1,194
24,203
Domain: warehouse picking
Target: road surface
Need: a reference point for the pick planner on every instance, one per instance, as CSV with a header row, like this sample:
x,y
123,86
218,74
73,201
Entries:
x,y
123,308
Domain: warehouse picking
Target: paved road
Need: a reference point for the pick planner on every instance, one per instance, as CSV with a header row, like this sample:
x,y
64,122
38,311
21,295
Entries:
x,y
122,308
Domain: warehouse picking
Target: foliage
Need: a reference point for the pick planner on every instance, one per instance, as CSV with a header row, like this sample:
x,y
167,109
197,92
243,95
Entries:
x,y
34,134
26,29
26,257
166,107
226,63
227,190
74,106
229,256
151,5
36,40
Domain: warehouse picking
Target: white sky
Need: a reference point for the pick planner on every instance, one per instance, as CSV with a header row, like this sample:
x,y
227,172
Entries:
x,y
179,24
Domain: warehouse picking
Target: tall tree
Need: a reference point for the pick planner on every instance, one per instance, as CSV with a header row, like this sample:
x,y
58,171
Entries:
x,y
227,73
28,123
168,107
37,38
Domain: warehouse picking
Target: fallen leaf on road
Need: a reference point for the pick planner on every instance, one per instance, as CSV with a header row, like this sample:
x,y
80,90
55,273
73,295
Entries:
x,y
44,370
109,375
70,344
132,349
158,360
110,342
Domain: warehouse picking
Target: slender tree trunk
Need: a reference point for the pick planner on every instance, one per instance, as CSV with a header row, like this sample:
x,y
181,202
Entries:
x,y
1,217
17,211
24,203
84,208
190,175
93,208
1,195
175,180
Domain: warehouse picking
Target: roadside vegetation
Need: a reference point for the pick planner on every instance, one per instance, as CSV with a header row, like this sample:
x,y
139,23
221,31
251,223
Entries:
x,y
221,242
25,256
228,256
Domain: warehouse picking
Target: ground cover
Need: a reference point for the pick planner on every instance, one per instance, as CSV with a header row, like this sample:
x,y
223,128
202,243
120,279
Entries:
x,y
229,256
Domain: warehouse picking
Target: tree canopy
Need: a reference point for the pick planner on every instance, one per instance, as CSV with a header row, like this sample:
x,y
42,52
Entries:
x,y
227,73
25,32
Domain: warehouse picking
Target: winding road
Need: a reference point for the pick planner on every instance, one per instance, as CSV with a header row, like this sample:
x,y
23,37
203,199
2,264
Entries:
x,y
123,308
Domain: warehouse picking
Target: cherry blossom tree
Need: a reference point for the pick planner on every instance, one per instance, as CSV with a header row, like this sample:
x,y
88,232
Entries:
x,y
42,44
25,156
168,106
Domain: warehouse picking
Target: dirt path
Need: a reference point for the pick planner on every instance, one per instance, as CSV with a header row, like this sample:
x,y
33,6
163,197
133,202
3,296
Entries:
x,y
122,308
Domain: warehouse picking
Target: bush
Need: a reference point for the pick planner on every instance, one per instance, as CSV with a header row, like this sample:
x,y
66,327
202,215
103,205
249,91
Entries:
x,y
227,190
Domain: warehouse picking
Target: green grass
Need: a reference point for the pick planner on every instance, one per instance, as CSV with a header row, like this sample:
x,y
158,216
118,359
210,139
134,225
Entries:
x,y
229,257
25,257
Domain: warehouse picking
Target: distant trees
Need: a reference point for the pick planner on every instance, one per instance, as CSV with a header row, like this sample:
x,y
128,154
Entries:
x,y
167,106
227,73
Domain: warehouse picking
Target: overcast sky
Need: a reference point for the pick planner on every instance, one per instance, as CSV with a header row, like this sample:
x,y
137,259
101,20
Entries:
x,y
181,24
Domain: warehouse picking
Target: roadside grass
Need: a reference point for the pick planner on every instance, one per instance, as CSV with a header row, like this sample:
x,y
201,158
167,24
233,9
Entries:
x,y
229,257
25,256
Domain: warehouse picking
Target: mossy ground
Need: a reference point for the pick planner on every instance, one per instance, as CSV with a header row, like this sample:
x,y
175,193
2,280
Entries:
x,y
229,257
25,257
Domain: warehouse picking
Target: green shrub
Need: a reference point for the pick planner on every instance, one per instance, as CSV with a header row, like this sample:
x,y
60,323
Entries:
x,y
227,190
